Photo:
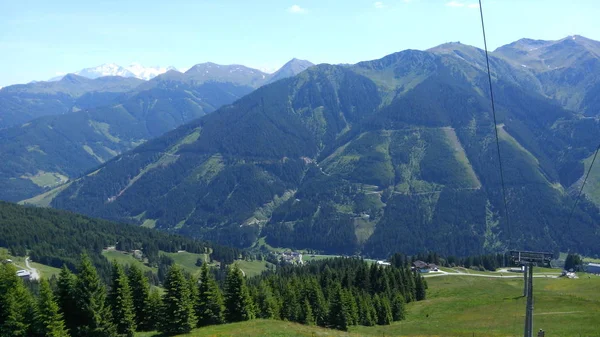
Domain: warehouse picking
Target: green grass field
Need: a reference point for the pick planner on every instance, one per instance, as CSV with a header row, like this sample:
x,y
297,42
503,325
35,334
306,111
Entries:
x,y
312,257
125,259
187,261
260,327
465,306
48,179
44,270
252,268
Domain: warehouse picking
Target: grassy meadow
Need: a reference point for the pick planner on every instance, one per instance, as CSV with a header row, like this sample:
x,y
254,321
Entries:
x,y
464,306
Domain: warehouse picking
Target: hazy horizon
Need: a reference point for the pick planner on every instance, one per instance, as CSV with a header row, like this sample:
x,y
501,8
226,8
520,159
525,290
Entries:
x,y
43,40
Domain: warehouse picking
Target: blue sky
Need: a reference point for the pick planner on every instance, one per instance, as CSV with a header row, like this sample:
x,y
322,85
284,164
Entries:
x,y
39,39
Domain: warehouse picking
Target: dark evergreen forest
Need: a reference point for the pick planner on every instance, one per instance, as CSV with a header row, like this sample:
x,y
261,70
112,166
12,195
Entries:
x,y
335,293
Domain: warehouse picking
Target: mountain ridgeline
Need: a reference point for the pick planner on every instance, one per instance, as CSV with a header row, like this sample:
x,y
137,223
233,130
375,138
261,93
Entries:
x,y
395,154
91,121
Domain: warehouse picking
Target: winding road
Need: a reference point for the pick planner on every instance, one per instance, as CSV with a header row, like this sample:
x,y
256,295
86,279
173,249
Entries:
x,y
510,275
34,273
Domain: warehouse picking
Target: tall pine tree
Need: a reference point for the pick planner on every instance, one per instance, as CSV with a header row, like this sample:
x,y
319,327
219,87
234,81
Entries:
x,y
267,304
140,292
383,308
66,299
314,294
121,302
209,304
306,313
177,306
154,310
339,315
238,304
92,315
16,304
398,308
48,320
420,287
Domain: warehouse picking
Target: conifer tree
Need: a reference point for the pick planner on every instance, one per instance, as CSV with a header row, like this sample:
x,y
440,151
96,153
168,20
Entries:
x,y
209,304
16,304
140,293
314,294
153,310
238,304
92,315
367,315
121,302
306,314
420,287
177,306
411,294
66,298
290,308
267,304
338,312
398,308
48,320
383,308
350,303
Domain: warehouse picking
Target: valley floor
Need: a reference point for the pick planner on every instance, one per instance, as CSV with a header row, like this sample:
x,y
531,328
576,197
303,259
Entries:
x,y
465,305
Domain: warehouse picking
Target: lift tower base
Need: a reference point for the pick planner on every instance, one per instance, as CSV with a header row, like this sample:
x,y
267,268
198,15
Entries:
x,y
528,259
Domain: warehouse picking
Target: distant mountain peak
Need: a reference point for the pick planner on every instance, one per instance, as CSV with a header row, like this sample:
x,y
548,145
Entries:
x,y
290,68
73,78
548,55
112,69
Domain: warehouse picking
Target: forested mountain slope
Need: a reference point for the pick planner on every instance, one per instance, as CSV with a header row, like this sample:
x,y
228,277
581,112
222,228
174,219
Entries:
x,y
568,71
24,102
57,238
48,151
396,154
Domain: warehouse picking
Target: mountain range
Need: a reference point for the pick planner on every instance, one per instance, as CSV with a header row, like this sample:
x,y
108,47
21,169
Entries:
x,y
89,121
110,69
394,154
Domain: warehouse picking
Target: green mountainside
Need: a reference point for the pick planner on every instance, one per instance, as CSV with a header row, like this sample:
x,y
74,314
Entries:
x,y
70,144
396,154
568,70
24,102
48,151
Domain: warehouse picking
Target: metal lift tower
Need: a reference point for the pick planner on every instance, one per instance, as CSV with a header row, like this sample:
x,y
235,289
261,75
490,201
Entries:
x,y
528,259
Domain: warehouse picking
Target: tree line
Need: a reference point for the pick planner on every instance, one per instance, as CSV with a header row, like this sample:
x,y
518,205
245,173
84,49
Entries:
x,y
335,293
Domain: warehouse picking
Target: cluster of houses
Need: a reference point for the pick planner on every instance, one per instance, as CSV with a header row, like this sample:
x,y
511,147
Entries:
x,y
424,267
290,257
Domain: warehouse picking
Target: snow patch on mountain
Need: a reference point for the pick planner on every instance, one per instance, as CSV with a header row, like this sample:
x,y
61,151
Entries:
x,y
111,69
146,73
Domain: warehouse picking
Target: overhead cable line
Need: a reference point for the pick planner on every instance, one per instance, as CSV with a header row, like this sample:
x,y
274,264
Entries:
x,y
487,60
582,186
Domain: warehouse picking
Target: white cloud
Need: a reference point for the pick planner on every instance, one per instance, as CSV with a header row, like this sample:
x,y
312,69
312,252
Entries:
x,y
296,9
455,4
473,6
379,5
